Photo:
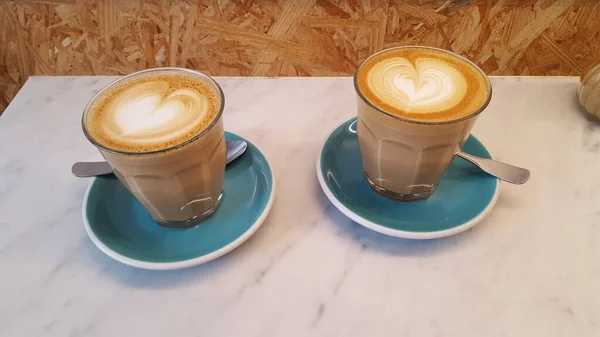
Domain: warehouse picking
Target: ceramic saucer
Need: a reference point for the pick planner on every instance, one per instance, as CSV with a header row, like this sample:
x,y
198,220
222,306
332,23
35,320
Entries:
x,y
463,198
122,228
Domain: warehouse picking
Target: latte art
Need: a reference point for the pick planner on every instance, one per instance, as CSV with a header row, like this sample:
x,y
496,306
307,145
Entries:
x,y
422,84
153,111
427,86
146,113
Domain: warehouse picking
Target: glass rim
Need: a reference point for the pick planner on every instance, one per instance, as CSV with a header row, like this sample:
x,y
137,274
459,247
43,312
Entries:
x,y
93,99
412,121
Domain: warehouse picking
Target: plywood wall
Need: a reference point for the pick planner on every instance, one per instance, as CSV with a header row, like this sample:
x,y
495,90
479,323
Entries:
x,y
288,37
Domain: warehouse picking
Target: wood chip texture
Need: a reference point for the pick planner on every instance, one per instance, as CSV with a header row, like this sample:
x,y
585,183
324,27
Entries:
x,y
287,37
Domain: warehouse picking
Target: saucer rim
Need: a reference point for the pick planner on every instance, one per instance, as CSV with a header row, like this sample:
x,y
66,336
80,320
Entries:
x,y
397,232
184,263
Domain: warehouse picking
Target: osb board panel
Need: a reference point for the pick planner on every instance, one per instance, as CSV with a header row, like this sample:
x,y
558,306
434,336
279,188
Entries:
x,y
287,37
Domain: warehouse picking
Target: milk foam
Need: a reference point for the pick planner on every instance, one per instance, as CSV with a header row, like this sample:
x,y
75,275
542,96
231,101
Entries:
x,y
153,112
145,113
425,85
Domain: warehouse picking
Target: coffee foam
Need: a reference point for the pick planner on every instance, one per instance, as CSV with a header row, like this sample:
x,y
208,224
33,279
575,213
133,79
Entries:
x,y
152,111
422,84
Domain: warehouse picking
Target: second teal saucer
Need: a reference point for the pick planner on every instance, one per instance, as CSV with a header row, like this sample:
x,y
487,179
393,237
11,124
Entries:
x,y
121,227
464,196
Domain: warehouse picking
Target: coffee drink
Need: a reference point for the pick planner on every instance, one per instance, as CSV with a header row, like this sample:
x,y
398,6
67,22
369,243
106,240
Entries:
x,y
416,108
422,84
161,130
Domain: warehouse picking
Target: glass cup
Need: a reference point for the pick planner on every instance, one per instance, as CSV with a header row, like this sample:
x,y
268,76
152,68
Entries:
x,y
405,159
182,185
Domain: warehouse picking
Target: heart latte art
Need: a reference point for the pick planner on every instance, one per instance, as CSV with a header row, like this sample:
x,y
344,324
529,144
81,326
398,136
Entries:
x,y
154,113
146,113
427,86
423,84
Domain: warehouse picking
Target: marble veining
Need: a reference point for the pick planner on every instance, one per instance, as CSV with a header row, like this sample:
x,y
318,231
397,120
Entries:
x,y
532,268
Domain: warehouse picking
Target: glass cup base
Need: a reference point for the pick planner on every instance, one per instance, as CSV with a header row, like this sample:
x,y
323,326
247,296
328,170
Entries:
x,y
397,196
193,221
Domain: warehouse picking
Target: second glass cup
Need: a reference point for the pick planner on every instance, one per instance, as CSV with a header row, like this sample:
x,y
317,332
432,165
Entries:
x,y
162,132
404,158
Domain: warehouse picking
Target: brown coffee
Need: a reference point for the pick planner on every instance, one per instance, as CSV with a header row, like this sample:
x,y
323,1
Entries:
x,y
416,108
161,130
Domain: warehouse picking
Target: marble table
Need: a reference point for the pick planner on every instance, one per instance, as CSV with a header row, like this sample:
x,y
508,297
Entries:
x,y
532,268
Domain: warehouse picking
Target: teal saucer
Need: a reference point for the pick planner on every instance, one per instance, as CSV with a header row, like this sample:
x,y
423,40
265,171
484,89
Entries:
x,y
122,228
464,196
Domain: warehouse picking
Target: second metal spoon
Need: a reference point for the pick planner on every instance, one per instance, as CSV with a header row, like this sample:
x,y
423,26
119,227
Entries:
x,y
509,173
235,148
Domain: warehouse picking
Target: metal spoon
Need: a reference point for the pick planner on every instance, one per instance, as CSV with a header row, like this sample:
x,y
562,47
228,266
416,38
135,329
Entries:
x,y
235,148
500,170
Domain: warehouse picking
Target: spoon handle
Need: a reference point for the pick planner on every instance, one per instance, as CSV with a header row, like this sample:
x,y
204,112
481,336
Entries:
x,y
235,148
498,169
91,169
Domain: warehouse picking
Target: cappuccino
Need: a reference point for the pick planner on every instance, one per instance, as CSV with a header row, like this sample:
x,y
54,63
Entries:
x,y
416,108
422,84
152,111
161,131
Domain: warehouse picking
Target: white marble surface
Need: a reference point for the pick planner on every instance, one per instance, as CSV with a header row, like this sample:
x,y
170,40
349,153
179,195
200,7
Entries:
x,y
532,268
